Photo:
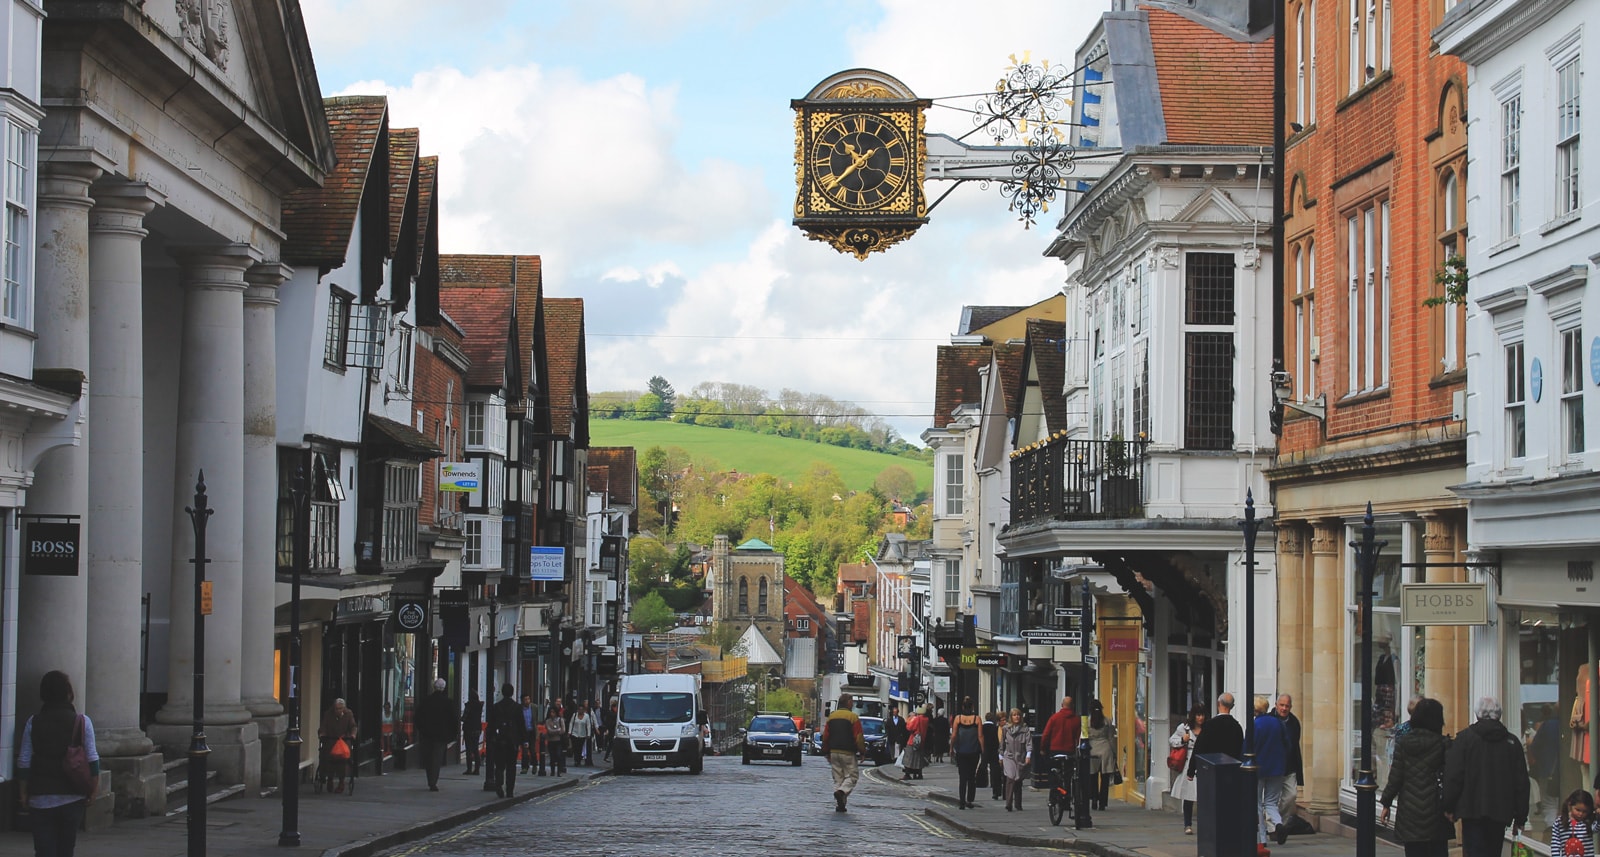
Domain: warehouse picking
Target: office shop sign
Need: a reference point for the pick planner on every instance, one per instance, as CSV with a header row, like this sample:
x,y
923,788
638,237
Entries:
x,y
51,547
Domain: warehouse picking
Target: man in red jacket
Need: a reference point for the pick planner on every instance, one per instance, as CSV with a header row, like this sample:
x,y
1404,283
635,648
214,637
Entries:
x,y
1061,731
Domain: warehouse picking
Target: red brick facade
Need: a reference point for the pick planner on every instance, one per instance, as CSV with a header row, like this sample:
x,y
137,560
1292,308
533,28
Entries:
x,y
439,387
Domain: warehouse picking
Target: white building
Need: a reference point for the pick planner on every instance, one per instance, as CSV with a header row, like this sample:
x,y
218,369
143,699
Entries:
x,y
1533,360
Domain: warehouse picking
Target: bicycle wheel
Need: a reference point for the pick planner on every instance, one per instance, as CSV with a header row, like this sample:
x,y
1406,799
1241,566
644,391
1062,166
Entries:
x,y
1057,806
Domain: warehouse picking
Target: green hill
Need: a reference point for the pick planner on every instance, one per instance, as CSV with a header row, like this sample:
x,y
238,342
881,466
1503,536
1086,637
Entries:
x,y
748,452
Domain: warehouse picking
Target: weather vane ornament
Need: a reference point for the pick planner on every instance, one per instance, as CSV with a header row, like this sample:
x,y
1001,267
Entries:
x,y
1027,109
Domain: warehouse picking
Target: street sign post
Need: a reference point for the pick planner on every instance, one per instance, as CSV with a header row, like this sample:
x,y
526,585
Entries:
x,y
1053,637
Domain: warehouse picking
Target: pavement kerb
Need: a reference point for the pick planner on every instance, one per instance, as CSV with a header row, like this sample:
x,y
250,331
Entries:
x,y
939,796
368,847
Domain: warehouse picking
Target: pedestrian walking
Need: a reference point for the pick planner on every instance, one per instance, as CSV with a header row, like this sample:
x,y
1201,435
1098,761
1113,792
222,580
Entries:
x,y
1181,746
915,756
1102,736
338,724
1414,777
46,770
894,731
471,729
845,743
1272,759
555,733
1574,833
990,768
505,736
608,727
1296,767
581,729
1486,782
529,750
966,743
436,721
938,735
1016,754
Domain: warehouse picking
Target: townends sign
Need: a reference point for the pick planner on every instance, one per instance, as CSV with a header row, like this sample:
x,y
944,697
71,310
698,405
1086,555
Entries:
x,y
1444,604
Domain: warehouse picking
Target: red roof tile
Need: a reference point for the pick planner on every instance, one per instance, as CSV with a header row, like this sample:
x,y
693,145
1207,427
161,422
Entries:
x,y
956,380
1204,75
564,364
402,173
483,312
620,466
1047,349
1009,358
318,222
427,188
482,275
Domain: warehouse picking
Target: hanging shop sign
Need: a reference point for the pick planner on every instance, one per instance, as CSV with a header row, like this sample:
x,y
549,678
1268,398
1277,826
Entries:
x,y
1120,644
546,563
411,614
358,607
460,476
534,647
1444,604
989,660
1053,637
50,547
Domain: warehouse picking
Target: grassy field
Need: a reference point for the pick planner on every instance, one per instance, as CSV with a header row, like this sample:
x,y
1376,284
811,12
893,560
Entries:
x,y
747,452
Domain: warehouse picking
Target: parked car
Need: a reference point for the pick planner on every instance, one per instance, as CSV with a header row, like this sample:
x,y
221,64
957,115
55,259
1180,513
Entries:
x,y
771,737
879,750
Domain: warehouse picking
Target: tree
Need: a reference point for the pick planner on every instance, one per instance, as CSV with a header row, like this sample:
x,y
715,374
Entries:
x,y
896,483
649,407
651,615
663,391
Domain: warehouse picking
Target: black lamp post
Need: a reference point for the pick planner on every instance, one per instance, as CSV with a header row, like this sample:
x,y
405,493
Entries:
x,y
300,498
1251,526
199,515
1366,555
490,778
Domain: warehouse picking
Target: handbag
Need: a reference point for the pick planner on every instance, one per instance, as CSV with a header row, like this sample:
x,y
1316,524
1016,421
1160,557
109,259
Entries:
x,y
1177,758
1116,778
76,763
340,750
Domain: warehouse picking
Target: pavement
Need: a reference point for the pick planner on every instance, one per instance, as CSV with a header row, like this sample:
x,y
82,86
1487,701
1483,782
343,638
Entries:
x,y
382,813
388,811
1122,830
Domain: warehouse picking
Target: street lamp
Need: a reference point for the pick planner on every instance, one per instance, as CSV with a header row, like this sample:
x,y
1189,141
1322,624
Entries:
x,y
199,515
300,499
1251,526
1366,555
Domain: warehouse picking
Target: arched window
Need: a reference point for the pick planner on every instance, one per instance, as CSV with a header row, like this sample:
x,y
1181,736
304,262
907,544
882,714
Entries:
x,y
1450,205
761,598
744,595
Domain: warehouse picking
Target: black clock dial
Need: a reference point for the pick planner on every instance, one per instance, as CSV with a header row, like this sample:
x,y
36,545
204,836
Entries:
x,y
860,161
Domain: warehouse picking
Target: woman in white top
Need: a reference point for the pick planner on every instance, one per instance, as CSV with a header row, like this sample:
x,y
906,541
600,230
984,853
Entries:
x,y
1183,786
581,729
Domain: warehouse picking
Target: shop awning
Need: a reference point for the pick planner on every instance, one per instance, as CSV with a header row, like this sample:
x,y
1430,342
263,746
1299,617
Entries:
x,y
389,439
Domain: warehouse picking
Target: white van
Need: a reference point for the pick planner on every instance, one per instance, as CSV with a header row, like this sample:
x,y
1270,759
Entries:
x,y
659,723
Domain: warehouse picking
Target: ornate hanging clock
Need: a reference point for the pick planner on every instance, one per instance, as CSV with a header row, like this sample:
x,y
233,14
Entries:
x,y
859,162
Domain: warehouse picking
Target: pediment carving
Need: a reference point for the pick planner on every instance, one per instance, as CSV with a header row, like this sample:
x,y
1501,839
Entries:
x,y
204,24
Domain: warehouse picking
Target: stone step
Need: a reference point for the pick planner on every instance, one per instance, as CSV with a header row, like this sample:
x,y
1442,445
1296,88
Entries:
x,y
212,796
178,783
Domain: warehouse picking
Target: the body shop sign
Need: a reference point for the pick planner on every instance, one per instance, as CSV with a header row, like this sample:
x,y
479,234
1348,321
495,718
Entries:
x,y
50,547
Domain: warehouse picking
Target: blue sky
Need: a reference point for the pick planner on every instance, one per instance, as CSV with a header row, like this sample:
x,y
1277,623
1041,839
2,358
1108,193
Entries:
x,y
644,148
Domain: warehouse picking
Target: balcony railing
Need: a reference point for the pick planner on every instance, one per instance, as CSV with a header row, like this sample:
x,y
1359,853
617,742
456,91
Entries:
x,y
1078,480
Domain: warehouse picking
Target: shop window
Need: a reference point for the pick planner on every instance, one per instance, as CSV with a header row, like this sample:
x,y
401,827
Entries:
x,y
1549,685
1397,651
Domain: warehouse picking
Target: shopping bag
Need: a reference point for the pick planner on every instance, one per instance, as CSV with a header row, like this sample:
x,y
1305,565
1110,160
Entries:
x,y
340,750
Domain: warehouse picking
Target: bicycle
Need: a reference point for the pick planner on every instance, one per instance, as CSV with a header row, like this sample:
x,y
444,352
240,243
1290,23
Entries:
x,y
1060,787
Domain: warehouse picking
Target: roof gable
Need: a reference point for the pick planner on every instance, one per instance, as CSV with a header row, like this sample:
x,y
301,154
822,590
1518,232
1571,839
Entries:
x,y
564,365
483,276
956,381
427,301
483,314
1047,355
1203,74
620,464
318,222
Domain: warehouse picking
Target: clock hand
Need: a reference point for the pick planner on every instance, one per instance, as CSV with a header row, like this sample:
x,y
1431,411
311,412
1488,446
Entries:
x,y
858,160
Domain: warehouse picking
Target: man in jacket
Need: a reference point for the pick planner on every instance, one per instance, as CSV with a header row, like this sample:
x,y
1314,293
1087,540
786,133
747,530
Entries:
x,y
1272,759
990,764
506,734
530,744
843,739
894,730
1222,734
1061,731
1486,782
1295,764
436,720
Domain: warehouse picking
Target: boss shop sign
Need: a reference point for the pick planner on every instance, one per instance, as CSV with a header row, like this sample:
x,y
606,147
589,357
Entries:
x,y
50,547
1444,604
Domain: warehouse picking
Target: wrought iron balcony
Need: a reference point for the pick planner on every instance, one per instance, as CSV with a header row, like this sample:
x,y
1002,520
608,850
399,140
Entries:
x,y
1078,480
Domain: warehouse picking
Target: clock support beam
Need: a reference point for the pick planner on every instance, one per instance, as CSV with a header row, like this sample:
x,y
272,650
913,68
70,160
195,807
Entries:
x,y
950,159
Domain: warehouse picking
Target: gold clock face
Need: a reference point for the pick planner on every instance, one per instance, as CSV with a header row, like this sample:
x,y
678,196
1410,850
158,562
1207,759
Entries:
x,y
860,161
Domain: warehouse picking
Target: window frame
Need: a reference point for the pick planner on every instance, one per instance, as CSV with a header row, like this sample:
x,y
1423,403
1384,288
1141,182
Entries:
x,y
1451,205
336,341
1369,350
1303,320
1210,314
952,587
953,484
1573,375
404,352
19,199
1511,166
1568,98
1515,399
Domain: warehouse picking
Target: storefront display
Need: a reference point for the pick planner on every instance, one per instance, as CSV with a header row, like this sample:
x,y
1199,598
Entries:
x,y
1550,686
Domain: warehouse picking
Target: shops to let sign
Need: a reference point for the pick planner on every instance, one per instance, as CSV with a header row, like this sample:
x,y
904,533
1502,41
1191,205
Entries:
x,y
205,598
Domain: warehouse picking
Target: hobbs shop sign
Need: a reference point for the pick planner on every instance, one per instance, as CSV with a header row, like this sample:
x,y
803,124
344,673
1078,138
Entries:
x,y
50,548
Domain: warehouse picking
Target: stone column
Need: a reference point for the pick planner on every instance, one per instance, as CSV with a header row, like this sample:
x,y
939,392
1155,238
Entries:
x,y
259,680
211,438
1323,741
1440,671
52,615
116,544
1291,616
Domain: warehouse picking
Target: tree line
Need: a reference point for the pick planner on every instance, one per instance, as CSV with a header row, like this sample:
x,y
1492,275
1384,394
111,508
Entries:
x,y
744,407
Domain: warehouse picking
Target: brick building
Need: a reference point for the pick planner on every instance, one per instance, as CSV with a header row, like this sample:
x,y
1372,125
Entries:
x,y
1373,379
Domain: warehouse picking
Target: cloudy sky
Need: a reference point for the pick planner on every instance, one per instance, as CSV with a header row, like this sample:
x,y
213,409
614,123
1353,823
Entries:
x,y
645,149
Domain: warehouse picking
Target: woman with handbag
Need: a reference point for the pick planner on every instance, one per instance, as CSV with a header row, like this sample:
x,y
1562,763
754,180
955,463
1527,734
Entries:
x,y
1016,755
915,757
338,734
58,767
1417,778
1102,735
966,743
1181,742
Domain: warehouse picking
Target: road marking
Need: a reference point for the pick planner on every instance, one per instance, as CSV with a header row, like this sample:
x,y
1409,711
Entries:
x,y
425,845
930,827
